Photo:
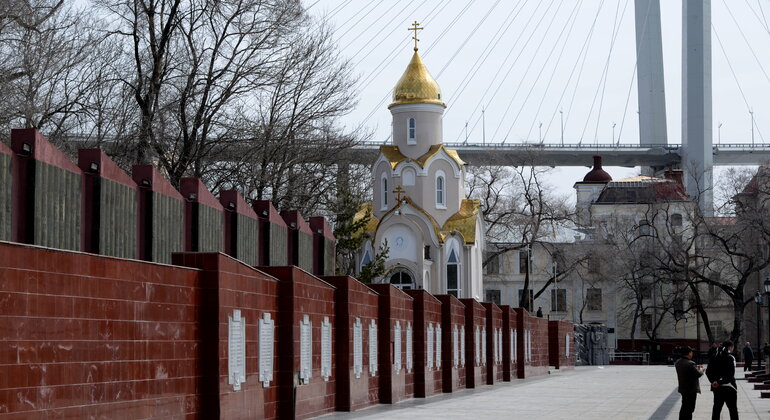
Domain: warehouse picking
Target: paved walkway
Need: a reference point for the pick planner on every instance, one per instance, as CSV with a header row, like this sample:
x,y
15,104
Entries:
x,y
609,392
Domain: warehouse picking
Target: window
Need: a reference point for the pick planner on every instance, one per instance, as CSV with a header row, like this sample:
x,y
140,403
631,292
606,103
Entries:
x,y
384,192
426,252
716,330
411,137
493,264
366,260
402,279
676,220
558,300
493,296
453,274
531,301
645,291
523,262
646,322
440,202
594,264
678,307
594,299
408,177
644,228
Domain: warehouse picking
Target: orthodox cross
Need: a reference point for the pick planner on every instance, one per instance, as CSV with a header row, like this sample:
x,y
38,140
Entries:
x,y
415,27
398,191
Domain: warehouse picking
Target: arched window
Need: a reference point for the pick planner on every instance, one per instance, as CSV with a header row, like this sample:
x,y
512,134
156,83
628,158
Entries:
x,y
411,137
402,279
676,220
453,274
408,177
366,260
384,192
440,190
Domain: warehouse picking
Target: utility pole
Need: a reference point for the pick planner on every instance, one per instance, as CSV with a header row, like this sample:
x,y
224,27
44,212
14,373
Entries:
x,y
540,130
466,133
613,132
561,117
751,112
719,133
483,128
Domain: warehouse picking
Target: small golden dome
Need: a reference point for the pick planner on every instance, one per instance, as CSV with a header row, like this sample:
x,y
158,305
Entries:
x,y
416,86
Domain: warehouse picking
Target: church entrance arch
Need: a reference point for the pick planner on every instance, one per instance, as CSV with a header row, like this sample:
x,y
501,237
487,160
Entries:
x,y
403,279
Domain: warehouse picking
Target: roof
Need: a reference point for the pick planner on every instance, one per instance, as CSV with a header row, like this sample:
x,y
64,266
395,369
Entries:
x,y
416,85
597,174
642,189
464,221
394,155
371,225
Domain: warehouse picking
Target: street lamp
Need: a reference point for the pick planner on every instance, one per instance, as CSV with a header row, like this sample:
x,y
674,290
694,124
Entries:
x,y
767,294
758,301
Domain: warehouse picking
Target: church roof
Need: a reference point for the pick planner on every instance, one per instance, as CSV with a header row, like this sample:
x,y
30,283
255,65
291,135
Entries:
x,y
394,156
371,225
416,85
464,221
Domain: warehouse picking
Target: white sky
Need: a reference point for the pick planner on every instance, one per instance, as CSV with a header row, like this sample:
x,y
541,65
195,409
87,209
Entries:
x,y
458,46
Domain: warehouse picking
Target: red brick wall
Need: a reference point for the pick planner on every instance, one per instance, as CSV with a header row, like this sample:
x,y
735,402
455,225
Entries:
x,y
88,336
510,333
226,285
353,300
427,311
394,306
494,330
452,318
538,341
559,333
300,294
475,319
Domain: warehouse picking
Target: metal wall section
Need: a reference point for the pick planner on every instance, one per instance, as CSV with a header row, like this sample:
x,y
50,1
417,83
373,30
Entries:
x,y
210,229
277,242
247,239
167,227
5,197
330,257
117,219
57,207
305,251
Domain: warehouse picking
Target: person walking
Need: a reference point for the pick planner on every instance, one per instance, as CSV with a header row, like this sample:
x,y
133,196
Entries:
x,y
539,312
748,357
688,374
721,374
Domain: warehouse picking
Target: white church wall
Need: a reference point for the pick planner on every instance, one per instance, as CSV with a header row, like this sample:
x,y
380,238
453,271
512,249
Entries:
x,y
428,118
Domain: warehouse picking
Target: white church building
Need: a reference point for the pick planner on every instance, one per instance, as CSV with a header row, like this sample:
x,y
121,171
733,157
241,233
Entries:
x,y
435,234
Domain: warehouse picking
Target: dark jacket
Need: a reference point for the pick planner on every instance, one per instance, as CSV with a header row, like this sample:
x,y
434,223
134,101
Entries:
x,y
722,369
747,353
688,375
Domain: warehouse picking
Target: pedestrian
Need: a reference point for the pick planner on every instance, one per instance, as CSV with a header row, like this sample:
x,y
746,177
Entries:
x,y
539,311
766,350
688,374
713,351
721,374
748,357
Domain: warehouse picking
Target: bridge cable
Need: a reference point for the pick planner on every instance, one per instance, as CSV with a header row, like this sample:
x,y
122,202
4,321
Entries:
x,y
573,18
480,103
350,19
762,21
753,53
388,24
730,65
338,8
467,38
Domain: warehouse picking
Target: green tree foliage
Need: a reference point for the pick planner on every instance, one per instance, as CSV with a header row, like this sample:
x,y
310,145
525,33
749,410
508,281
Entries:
x,y
375,269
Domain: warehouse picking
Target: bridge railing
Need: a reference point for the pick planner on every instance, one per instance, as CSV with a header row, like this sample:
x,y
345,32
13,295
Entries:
x,y
629,357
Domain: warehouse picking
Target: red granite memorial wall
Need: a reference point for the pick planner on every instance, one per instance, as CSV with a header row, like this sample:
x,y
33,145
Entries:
x,y
475,343
510,342
300,240
532,357
428,379
161,215
356,305
6,187
494,343
273,235
324,255
395,313
241,228
561,352
203,218
453,326
306,380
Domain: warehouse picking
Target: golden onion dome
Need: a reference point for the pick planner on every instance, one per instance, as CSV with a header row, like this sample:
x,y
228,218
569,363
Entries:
x,y
416,85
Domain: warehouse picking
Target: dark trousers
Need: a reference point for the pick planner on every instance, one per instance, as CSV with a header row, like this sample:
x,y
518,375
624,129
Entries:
x,y
747,364
727,396
688,406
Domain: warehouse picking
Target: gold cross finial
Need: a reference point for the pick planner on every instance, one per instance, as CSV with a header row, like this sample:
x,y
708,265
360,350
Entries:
x,y
415,27
398,191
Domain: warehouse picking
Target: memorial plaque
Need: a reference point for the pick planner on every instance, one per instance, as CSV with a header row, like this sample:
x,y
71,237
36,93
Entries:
x,y
566,345
266,345
462,345
409,356
484,346
513,345
373,348
236,350
326,349
305,349
430,346
397,347
358,348
494,345
455,346
529,346
477,346
438,346
499,345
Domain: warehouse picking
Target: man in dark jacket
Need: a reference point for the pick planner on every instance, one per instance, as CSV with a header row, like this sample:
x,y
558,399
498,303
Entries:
x,y
748,357
689,382
721,374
